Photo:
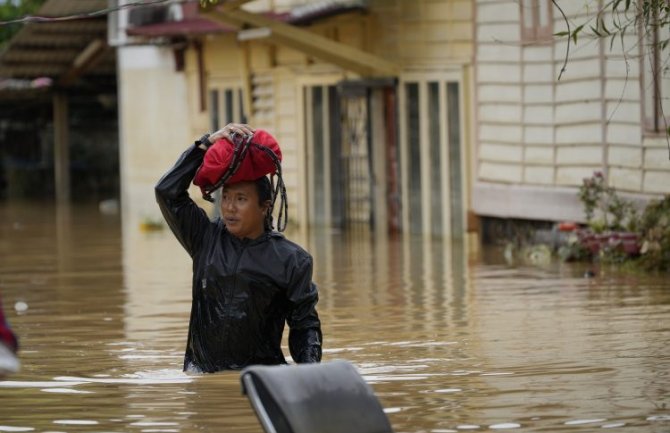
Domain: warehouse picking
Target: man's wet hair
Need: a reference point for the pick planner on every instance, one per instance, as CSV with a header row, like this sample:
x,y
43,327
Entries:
x,y
264,190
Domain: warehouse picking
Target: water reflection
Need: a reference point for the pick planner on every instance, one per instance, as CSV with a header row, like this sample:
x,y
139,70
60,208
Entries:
x,y
450,341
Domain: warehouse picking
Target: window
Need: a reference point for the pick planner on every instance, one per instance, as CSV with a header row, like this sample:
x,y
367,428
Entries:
x,y
655,79
414,156
536,20
214,110
324,165
431,156
318,152
225,106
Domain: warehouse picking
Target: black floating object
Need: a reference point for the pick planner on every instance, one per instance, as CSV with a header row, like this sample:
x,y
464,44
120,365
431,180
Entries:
x,y
330,397
589,274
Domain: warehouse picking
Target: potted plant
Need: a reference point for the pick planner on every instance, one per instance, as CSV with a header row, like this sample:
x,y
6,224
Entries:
x,y
611,221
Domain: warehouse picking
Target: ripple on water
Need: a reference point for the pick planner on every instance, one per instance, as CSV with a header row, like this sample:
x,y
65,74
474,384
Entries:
x,y
159,377
75,422
65,391
15,429
505,425
392,409
584,421
153,424
160,430
37,384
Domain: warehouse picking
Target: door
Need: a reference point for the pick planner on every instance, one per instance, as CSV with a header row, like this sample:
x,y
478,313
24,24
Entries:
x,y
432,157
352,154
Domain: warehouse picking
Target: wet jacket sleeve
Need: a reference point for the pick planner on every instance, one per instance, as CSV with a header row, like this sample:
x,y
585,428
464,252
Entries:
x,y
304,338
186,220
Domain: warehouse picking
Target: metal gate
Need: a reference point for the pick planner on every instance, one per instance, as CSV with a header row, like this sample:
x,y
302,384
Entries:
x,y
347,127
356,156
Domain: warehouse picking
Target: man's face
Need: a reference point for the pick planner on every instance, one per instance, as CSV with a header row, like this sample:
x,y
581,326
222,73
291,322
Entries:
x,y
241,212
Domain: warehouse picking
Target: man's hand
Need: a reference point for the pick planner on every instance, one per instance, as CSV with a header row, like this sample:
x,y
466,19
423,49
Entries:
x,y
230,129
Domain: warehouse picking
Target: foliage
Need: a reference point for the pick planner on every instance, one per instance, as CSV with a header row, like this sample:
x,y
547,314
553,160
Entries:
x,y
649,20
613,223
574,250
11,10
655,229
616,17
603,202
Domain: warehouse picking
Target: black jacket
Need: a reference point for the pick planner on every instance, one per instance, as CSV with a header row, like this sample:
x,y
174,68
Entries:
x,y
243,290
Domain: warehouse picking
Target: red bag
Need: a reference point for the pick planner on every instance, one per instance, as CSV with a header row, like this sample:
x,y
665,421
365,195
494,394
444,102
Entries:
x,y
255,164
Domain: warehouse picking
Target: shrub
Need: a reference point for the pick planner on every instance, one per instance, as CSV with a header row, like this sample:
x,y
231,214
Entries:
x,y
603,208
655,231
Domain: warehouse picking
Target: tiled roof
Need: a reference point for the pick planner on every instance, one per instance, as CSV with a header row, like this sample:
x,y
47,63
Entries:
x,y
50,48
197,25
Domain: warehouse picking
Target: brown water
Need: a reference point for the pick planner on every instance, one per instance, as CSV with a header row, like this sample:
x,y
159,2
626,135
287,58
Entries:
x,y
450,340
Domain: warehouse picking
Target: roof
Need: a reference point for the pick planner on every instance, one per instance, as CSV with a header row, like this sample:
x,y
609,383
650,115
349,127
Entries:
x,y
320,9
189,26
67,50
61,50
197,25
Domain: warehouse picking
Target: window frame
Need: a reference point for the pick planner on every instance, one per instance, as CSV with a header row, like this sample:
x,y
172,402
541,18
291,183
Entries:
x,y
655,121
423,79
222,116
536,32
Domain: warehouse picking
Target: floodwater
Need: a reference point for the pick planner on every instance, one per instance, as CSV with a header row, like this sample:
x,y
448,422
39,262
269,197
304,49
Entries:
x,y
449,338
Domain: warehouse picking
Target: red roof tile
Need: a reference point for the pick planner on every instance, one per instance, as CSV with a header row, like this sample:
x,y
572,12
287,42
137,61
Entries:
x,y
189,26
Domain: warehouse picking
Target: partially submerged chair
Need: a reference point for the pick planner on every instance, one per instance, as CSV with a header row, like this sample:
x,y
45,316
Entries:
x,y
313,398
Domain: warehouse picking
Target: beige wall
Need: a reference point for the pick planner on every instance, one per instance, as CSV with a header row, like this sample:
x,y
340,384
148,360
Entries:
x,y
431,37
155,126
538,137
420,36
423,33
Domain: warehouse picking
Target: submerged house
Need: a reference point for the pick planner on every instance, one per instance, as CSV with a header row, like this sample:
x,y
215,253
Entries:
x,y
413,116
537,136
370,101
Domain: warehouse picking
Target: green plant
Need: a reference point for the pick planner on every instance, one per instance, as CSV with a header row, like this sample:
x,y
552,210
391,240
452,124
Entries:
x,y
618,208
11,10
574,250
590,193
614,212
655,229
608,215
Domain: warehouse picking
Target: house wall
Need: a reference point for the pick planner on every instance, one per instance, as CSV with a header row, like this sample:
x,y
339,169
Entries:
x,y
276,76
427,39
155,126
538,136
425,36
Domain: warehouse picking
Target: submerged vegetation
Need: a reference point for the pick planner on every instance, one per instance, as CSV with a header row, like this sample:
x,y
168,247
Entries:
x,y
617,232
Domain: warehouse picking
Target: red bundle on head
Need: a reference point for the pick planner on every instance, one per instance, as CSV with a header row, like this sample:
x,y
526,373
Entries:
x,y
257,161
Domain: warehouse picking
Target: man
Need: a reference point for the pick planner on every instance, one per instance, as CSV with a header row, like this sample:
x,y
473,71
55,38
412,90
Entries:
x,y
248,280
